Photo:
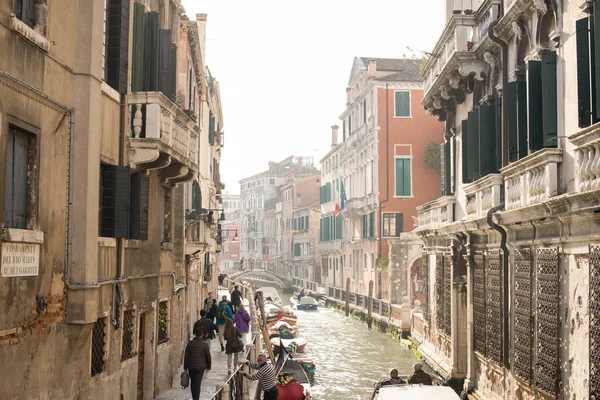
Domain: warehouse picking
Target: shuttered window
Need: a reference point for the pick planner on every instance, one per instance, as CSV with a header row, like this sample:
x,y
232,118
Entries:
x,y
372,224
196,196
117,49
392,224
403,177
338,227
465,150
306,222
443,167
534,95
115,188
365,228
137,62
402,104
211,128
151,46
549,99
17,181
25,11
487,140
472,146
585,67
139,200
164,63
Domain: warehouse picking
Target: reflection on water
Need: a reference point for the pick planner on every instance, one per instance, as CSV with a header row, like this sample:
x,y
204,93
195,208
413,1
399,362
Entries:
x,y
349,357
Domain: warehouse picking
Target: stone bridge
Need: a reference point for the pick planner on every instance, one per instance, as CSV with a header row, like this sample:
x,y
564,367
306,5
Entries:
x,y
262,276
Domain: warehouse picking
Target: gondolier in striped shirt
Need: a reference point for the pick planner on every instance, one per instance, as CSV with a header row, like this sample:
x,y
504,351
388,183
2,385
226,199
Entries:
x,y
265,374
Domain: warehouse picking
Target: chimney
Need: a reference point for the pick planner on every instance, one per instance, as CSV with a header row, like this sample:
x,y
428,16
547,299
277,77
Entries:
x,y
201,22
334,135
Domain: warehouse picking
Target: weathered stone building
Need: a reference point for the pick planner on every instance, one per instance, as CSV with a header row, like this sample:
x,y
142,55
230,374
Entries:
x,y
95,143
511,248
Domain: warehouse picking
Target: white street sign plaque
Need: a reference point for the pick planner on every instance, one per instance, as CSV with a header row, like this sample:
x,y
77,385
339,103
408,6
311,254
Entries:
x,y
20,259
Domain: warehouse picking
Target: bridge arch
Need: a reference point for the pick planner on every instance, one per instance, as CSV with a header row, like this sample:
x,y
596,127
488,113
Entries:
x,y
284,283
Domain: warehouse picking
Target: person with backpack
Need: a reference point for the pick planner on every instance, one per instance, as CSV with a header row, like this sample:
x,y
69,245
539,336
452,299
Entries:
x,y
234,344
223,313
204,327
242,319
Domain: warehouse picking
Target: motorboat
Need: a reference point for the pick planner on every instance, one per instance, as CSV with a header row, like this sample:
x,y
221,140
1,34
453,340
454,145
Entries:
x,y
270,294
306,303
414,392
292,381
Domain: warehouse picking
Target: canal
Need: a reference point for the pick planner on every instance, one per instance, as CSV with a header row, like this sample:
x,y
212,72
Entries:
x,y
349,357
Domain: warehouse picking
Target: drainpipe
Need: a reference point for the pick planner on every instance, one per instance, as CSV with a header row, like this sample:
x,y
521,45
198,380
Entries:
x,y
491,223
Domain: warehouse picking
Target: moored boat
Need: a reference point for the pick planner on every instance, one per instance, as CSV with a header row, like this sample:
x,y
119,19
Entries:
x,y
414,392
292,381
295,345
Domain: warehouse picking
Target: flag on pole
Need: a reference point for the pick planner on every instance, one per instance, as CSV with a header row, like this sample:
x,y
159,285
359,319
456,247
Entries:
x,y
342,198
337,210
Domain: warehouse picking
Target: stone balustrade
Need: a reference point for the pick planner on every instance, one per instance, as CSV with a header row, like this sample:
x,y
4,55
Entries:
x,y
532,180
587,158
162,136
330,245
482,195
436,213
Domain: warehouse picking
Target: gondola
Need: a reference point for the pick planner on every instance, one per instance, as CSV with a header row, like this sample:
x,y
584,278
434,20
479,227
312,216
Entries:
x,y
292,381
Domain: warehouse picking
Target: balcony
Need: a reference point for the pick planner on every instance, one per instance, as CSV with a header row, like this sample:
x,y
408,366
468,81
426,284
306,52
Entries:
x,y
330,245
436,213
482,195
587,158
357,204
163,137
197,235
532,180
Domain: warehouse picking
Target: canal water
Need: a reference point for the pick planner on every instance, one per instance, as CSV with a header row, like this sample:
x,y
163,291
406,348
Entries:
x,y
349,357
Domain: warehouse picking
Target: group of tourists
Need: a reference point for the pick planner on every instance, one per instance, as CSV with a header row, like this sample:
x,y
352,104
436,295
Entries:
x,y
230,321
419,377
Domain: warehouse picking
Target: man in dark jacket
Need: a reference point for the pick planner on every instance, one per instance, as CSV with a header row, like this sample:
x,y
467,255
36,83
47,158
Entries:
x,y
420,376
197,360
236,298
204,327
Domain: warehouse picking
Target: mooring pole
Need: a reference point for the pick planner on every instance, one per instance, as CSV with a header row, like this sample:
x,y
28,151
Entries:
x,y
347,297
370,305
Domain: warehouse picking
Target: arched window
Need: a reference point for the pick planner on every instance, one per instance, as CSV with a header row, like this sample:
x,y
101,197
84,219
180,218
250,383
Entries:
x,y
196,196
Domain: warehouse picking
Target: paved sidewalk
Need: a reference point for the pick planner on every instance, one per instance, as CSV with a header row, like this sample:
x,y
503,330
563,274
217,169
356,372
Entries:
x,y
217,375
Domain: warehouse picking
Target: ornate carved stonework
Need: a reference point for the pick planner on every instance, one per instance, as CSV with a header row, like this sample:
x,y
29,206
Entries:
x,y
475,68
541,6
492,61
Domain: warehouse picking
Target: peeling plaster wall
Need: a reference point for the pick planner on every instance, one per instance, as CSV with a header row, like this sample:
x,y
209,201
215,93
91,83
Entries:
x,y
403,253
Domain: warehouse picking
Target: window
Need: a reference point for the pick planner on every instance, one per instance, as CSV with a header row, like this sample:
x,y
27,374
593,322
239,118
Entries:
x,y
402,104
271,181
392,224
19,211
127,346
98,361
116,44
26,12
104,29
163,322
403,177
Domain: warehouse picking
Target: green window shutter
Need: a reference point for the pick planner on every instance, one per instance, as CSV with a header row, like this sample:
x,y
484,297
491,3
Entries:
x,y
549,98
137,62
522,150
151,43
295,224
372,224
306,222
196,196
402,104
116,182
465,150
321,229
403,177
584,105
17,165
340,226
344,130
399,222
173,72
534,93
487,140
364,226
328,191
473,172
448,167
443,168
164,63
117,45
139,198
595,55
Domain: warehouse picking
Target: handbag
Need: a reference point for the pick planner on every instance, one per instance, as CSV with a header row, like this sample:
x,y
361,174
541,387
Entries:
x,y
237,345
185,380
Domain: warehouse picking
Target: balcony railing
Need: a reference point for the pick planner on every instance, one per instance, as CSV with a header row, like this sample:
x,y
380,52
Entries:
x,y
533,179
587,160
436,213
330,245
482,195
163,136
196,234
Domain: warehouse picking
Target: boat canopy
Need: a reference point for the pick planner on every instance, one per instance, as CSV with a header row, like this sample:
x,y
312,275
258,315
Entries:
x,y
309,301
416,392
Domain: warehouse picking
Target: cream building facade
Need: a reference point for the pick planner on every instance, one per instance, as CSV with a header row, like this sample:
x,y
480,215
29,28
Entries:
x,y
97,144
511,254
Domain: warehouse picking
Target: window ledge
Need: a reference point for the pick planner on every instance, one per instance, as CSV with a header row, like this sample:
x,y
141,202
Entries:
x,y
166,246
29,34
107,242
133,244
22,235
110,92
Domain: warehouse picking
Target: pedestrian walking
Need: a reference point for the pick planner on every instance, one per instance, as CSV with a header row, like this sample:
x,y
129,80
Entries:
x,y
208,301
205,327
234,344
420,376
197,360
236,298
223,313
212,311
265,375
242,319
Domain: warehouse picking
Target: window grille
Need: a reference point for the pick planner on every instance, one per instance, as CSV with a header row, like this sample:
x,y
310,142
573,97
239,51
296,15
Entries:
x,y
547,363
98,343
127,351
439,292
594,302
493,293
163,314
447,296
522,322
479,312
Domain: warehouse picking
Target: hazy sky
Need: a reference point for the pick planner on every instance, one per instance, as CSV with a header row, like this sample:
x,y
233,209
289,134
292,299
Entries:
x,y
283,67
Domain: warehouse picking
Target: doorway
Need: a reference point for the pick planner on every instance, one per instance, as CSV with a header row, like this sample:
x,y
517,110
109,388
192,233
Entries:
x,y
140,352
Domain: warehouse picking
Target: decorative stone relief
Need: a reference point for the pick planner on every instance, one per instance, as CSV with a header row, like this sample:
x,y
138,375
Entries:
x,y
475,68
492,60
517,30
541,6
